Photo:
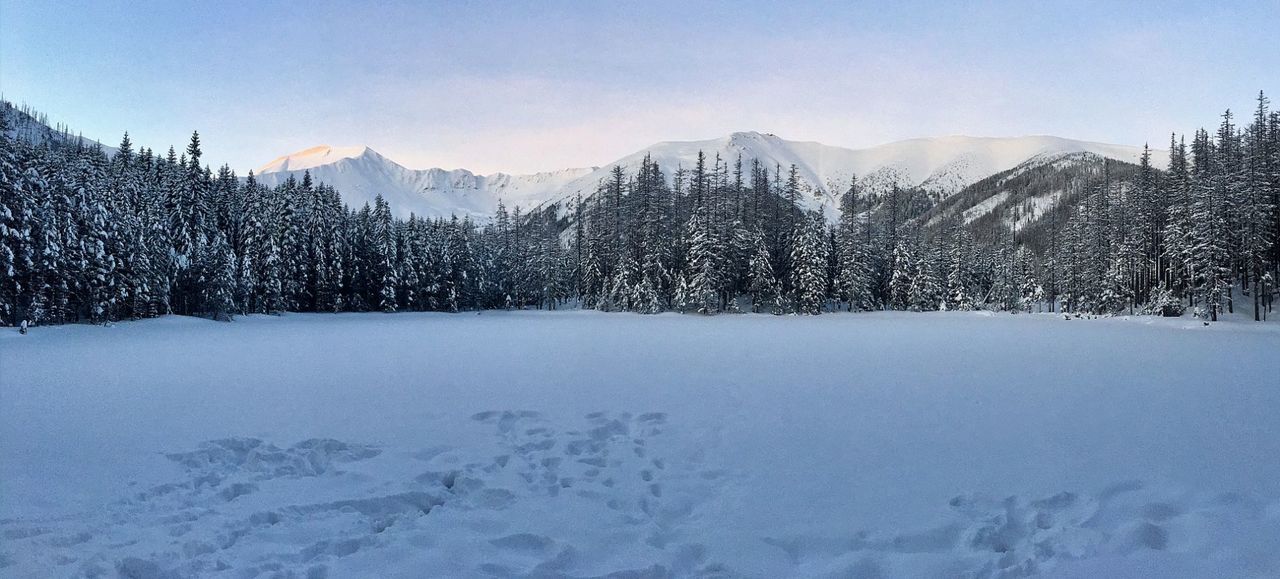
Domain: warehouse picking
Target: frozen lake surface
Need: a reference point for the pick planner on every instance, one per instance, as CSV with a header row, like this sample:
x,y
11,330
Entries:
x,y
584,444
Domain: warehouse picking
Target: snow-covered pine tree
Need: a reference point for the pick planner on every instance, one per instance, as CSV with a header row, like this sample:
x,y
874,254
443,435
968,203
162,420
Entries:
x,y
383,250
904,266
1210,255
853,278
762,284
1031,291
1176,237
645,297
809,265
703,278
16,243
1005,291
1257,209
216,271
959,277
621,286
1150,214
926,293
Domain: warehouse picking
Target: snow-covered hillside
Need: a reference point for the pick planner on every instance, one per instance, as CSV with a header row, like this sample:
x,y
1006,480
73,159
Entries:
x,y
941,166
1020,199
585,444
360,174
22,126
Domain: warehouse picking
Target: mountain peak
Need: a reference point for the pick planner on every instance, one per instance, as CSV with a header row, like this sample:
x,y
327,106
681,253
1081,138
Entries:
x,y
751,136
313,157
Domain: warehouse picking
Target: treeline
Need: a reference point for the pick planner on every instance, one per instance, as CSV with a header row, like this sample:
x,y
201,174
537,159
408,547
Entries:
x,y
91,237
1182,237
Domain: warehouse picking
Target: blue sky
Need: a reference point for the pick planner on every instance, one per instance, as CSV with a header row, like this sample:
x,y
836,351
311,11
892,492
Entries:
x,y
524,87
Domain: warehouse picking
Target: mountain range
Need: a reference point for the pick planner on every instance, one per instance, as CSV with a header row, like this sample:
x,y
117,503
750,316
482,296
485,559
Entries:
x,y
940,166
360,174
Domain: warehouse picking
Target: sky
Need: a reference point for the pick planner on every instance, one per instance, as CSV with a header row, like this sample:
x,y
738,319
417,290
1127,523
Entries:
x,y
532,86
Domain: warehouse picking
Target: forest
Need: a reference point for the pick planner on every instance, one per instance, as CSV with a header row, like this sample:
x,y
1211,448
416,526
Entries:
x,y
88,235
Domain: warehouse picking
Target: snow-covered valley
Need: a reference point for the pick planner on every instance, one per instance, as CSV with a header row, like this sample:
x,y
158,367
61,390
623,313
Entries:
x,y
584,444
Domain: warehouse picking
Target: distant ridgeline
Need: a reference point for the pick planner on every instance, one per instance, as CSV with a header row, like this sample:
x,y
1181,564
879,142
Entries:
x,y
90,233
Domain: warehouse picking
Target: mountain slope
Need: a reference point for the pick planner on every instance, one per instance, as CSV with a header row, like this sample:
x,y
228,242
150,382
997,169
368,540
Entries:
x,y
25,124
1026,199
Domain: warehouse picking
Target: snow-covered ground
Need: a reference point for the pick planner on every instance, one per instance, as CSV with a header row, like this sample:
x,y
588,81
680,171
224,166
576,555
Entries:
x,y
584,444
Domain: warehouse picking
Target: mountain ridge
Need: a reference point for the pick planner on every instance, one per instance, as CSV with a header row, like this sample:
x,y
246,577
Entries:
x,y
940,166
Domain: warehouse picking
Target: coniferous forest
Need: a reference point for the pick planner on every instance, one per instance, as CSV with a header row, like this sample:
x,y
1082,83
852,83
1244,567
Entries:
x,y
93,237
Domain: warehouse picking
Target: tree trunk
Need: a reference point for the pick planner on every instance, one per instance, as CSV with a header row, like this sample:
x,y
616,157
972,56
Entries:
x,y
1257,302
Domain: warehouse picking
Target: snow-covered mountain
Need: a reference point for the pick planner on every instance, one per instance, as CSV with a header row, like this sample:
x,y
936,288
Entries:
x,y
941,165
360,174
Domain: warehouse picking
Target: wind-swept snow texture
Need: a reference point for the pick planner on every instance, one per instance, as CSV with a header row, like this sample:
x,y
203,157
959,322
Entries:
x,y
579,444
